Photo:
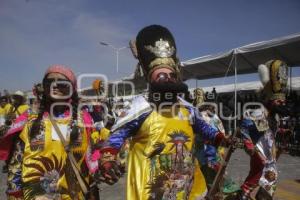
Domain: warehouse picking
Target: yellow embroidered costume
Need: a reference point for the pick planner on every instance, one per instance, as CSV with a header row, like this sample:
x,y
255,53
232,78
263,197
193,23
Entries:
x,y
21,109
5,110
14,150
161,164
46,171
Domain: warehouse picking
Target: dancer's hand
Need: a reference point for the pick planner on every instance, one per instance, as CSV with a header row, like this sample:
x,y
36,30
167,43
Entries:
x,y
110,172
110,169
229,140
252,151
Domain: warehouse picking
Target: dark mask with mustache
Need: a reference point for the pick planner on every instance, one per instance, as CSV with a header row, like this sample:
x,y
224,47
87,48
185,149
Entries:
x,y
167,92
281,110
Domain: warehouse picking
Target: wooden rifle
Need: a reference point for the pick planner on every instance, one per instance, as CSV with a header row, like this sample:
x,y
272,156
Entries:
x,y
215,188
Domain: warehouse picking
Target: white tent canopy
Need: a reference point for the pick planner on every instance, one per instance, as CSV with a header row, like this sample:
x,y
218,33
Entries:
x,y
245,86
241,60
247,58
251,85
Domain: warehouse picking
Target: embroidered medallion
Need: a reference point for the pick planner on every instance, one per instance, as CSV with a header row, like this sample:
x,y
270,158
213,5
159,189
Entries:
x,y
162,49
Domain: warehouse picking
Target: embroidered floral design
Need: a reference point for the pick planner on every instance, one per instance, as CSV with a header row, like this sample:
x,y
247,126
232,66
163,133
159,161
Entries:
x,y
44,178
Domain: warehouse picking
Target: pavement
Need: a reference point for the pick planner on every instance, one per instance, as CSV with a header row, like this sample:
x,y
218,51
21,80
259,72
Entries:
x,y
288,185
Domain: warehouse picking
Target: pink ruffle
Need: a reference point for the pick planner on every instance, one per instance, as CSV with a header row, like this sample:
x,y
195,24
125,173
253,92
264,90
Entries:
x,y
6,142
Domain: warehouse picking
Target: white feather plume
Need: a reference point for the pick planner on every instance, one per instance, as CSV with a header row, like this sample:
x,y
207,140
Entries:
x,y
264,74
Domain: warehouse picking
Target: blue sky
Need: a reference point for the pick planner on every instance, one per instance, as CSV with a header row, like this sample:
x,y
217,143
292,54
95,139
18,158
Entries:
x,y
37,33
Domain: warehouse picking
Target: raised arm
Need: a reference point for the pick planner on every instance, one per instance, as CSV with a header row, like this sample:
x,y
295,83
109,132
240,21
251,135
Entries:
x,y
245,134
109,167
208,132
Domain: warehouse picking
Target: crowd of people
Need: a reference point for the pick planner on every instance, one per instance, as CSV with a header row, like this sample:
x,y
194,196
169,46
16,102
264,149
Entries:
x,y
172,144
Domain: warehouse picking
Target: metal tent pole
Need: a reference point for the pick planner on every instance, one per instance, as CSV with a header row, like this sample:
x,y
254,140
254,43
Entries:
x,y
235,90
290,89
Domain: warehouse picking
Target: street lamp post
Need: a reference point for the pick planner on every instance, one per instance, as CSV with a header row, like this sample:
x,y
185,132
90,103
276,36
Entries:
x,y
116,49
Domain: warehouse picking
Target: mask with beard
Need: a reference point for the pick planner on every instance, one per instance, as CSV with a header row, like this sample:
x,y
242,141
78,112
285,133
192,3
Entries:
x,y
167,92
281,110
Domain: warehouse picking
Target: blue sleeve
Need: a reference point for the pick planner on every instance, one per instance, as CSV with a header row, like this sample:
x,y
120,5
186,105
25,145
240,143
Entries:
x,y
246,123
200,126
245,133
117,138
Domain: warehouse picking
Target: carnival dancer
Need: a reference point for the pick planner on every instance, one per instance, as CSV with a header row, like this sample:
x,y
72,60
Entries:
x,y
210,156
205,152
11,145
5,108
258,129
16,109
55,142
161,164
19,104
12,111
9,112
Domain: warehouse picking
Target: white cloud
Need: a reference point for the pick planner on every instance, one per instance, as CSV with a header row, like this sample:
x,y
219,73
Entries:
x,y
36,34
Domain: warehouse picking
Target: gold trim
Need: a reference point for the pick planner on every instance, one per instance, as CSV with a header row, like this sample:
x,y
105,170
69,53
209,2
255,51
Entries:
x,y
164,63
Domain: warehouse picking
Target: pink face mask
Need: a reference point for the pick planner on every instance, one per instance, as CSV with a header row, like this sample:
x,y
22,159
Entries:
x,y
163,75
